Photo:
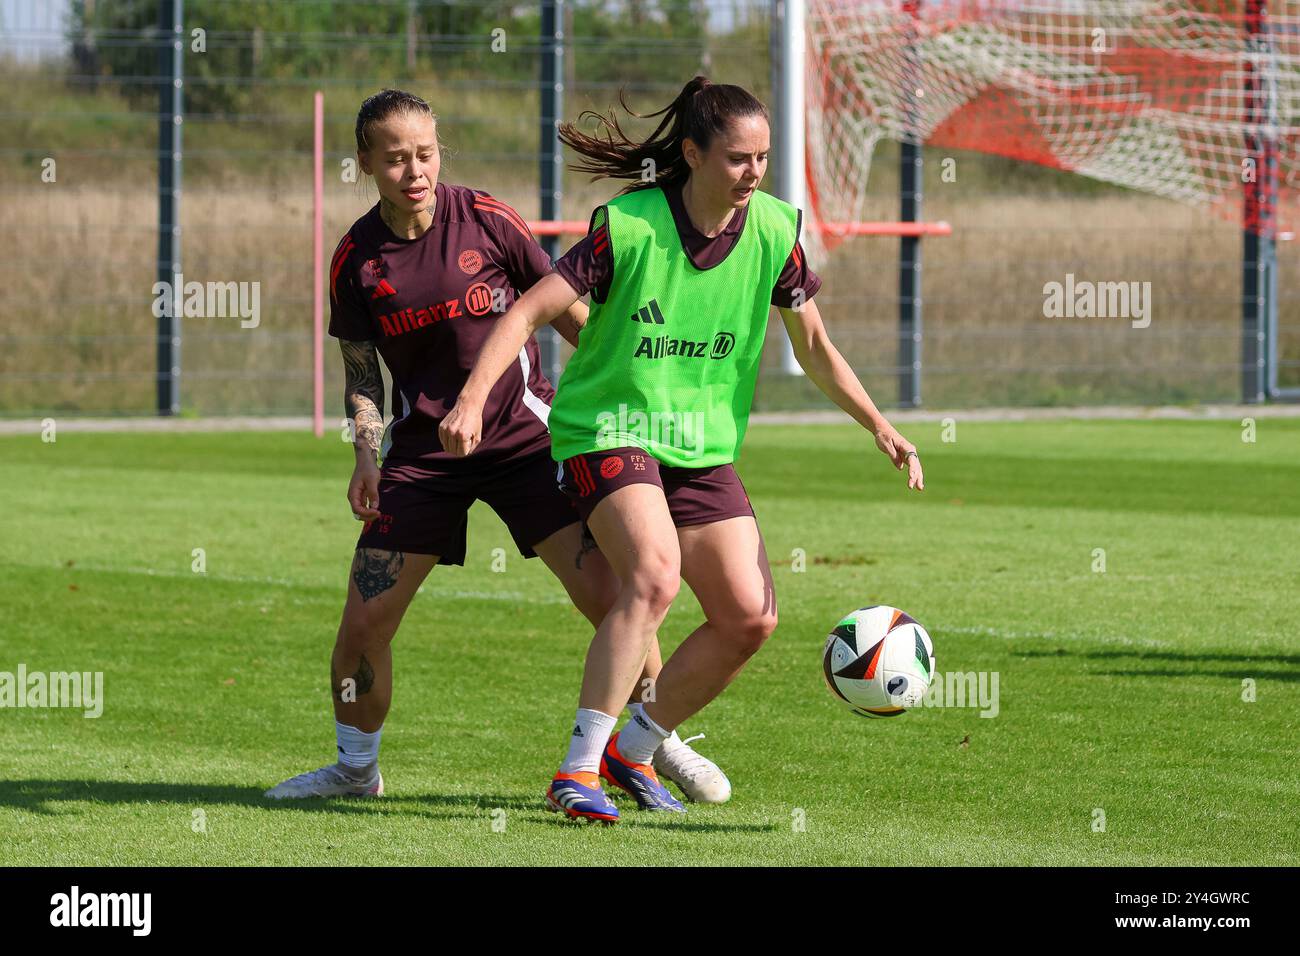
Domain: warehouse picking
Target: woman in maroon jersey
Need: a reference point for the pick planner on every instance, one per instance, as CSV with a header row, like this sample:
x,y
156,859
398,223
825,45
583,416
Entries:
x,y
420,281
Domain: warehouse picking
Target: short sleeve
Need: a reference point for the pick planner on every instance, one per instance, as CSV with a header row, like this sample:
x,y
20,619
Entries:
x,y
348,316
796,282
589,265
526,262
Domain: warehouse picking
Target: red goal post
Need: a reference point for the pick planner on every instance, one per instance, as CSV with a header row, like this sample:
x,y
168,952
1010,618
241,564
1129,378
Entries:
x,y
1195,101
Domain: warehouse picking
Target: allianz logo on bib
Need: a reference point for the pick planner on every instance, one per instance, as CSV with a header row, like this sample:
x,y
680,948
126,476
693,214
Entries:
x,y
662,346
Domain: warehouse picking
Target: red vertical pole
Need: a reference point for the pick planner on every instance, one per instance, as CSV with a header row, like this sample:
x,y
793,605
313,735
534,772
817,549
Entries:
x,y
318,269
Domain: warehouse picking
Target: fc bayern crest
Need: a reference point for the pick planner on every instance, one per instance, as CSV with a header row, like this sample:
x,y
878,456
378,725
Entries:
x,y
470,262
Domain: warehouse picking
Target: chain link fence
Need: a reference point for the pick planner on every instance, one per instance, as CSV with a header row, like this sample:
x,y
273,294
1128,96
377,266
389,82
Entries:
x,y
79,177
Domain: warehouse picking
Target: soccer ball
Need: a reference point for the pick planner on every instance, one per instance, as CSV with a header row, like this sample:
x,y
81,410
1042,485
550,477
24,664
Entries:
x,y
878,661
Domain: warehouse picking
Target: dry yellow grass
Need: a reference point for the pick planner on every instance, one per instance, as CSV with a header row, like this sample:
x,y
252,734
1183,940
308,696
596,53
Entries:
x,y
78,333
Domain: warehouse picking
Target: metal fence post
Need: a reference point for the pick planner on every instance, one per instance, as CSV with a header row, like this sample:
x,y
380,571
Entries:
x,y
1259,211
171,81
551,189
788,71
910,182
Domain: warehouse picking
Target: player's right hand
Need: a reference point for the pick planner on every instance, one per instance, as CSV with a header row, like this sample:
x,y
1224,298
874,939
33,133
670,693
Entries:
x,y
462,429
902,453
363,490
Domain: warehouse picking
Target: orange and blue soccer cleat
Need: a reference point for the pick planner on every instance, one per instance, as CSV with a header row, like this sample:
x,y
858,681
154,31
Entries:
x,y
580,797
638,779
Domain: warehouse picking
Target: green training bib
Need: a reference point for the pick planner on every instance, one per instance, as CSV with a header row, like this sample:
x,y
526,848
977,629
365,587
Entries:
x,y
669,360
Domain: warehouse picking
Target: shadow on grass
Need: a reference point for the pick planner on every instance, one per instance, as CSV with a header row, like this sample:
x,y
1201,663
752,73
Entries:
x,y
44,796
1283,676
664,821
1258,666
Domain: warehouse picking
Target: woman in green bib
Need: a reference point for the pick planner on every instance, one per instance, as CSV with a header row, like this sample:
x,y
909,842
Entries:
x,y
683,267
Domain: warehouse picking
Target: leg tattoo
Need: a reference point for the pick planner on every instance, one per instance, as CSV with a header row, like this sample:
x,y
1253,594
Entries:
x,y
375,571
362,681
588,545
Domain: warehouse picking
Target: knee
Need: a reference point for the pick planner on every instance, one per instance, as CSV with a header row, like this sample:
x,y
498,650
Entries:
x,y
749,630
363,630
655,585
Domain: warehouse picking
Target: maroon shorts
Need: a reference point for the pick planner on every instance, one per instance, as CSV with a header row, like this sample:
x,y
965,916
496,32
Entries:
x,y
694,495
426,510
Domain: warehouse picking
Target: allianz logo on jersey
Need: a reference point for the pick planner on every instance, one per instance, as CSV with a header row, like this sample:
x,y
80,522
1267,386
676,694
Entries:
x,y
662,346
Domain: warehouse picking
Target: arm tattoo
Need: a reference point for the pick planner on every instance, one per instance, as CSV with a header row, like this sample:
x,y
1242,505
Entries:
x,y
363,393
375,571
362,681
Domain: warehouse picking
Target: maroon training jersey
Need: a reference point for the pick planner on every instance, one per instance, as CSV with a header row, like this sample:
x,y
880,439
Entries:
x,y
589,265
429,304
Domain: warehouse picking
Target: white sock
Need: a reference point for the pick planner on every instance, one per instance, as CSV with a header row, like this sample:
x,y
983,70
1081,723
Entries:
x,y
357,749
640,737
587,742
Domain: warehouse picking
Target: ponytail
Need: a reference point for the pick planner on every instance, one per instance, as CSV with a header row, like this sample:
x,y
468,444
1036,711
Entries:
x,y
701,111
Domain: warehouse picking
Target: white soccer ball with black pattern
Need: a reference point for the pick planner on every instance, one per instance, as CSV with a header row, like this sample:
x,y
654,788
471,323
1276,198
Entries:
x,y
878,661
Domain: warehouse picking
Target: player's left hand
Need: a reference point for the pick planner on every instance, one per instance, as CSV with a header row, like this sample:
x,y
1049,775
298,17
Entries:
x,y
462,429
902,453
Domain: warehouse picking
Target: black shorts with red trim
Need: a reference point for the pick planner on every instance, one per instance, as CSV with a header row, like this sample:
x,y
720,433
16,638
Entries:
x,y
694,495
426,511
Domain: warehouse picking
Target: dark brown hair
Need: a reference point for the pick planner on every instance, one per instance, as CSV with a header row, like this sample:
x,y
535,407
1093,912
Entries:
x,y
701,111
382,105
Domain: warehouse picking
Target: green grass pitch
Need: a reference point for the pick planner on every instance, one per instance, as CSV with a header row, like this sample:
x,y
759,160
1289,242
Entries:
x,y
1122,736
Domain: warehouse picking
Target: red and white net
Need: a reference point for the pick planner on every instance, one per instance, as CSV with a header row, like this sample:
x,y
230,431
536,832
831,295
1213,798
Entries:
x,y
1184,99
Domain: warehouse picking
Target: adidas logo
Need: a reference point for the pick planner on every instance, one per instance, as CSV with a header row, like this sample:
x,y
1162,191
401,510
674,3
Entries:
x,y
577,731
567,797
649,313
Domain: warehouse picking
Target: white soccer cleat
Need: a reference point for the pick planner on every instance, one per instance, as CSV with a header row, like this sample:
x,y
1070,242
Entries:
x,y
699,777
331,781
